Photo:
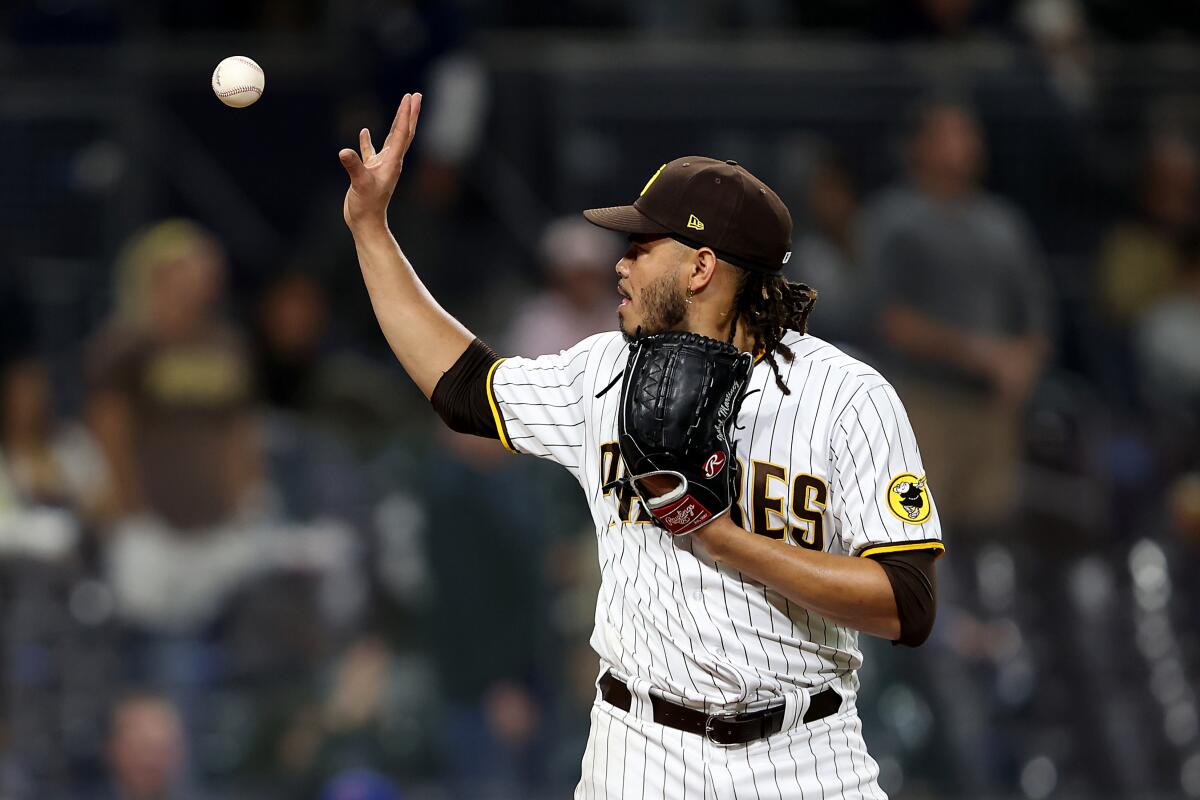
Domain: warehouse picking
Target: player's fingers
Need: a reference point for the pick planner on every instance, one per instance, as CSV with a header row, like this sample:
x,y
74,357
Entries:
x,y
353,165
400,121
414,114
364,145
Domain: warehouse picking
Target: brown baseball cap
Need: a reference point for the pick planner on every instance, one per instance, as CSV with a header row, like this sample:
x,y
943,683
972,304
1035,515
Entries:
x,y
703,202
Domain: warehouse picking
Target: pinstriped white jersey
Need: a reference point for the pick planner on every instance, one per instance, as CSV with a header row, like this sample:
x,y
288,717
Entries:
x,y
832,466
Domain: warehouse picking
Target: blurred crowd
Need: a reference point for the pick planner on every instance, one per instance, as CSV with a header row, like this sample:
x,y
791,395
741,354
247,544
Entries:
x,y
239,557
249,562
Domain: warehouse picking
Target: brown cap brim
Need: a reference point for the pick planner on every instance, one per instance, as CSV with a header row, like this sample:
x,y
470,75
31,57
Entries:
x,y
625,219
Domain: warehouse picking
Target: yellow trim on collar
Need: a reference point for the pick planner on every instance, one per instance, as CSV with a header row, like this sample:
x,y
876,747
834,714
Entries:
x,y
491,396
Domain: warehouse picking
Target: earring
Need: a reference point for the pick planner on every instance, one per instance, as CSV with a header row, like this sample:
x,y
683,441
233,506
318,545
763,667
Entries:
x,y
689,297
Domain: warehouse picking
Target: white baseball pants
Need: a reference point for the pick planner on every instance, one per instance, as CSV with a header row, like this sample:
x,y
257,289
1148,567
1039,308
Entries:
x,y
629,756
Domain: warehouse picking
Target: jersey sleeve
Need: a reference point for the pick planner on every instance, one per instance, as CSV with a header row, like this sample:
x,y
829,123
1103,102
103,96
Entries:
x,y
539,404
882,501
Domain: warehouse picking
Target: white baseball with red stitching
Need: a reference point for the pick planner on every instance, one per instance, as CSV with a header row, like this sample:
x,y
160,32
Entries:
x,y
238,81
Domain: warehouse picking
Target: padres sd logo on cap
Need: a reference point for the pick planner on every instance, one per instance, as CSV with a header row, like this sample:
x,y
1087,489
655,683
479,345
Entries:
x,y
908,498
653,178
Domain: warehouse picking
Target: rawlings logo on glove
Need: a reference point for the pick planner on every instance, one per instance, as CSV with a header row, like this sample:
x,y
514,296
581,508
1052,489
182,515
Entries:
x,y
715,463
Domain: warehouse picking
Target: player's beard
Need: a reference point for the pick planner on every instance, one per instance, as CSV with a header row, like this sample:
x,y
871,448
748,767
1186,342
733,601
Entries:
x,y
664,308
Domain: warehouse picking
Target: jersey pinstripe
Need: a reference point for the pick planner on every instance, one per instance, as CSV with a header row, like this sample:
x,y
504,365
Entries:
x,y
832,466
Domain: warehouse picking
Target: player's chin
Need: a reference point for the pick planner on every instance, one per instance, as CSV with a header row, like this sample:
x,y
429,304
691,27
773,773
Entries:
x,y
636,330
627,330
631,324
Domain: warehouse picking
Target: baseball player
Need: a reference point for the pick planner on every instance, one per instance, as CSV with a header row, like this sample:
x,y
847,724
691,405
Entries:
x,y
758,495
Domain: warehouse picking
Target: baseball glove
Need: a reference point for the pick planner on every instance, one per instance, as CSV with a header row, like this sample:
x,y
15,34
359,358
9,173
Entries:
x,y
680,395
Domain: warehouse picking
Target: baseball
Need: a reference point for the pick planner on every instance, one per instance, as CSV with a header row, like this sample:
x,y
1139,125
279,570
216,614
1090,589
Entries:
x,y
238,81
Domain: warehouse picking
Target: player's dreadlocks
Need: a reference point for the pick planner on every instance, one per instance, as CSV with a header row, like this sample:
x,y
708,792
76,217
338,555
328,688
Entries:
x,y
769,305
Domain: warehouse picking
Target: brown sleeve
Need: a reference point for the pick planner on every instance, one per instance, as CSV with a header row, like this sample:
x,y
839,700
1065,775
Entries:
x,y
914,583
461,396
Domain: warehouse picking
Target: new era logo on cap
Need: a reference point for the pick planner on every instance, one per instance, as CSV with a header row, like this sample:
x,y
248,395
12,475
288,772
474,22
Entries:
x,y
695,223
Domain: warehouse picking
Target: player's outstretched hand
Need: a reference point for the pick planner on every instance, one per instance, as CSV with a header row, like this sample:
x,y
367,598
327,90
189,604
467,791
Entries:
x,y
373,176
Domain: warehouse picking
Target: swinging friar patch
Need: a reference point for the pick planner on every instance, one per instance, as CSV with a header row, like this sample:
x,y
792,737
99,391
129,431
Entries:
x,y
908,498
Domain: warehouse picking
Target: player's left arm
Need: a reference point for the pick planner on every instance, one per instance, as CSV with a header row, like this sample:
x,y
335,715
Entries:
x,y
854,592
888,523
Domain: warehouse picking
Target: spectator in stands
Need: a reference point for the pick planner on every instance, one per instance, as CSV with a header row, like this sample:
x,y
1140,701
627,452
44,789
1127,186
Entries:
x,y
171,391
826,252
578,301
48,464
964,310
412,43
146,749
494,720
293,318
416,43
311,469
48,482
1059,31
171,405
376,708
302,374
1140,258
51,478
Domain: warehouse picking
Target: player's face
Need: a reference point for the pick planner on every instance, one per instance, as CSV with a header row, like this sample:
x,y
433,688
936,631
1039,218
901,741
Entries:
x,y
650,282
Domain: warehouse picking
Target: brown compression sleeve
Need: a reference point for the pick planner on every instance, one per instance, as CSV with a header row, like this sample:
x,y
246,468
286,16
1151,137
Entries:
x,y
461,395
914,583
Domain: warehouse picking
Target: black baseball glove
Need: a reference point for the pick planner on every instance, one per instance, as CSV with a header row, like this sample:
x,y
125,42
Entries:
x,y
680,396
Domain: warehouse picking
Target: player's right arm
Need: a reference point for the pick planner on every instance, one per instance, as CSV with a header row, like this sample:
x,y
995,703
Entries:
x,y
424,337
532,406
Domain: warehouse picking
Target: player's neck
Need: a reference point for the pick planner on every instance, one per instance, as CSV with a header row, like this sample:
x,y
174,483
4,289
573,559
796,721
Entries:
x,y
718,328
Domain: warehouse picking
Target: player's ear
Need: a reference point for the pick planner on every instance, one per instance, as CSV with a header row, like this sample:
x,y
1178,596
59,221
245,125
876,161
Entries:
x,y
704,269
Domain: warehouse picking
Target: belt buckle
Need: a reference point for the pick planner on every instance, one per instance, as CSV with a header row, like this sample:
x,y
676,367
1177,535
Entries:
x,y
708,730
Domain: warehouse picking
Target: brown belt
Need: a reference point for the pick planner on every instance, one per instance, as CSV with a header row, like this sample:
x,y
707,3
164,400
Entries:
x,y
727,729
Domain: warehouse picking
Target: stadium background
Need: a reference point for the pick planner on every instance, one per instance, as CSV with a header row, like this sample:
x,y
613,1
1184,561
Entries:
x,y
366,606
